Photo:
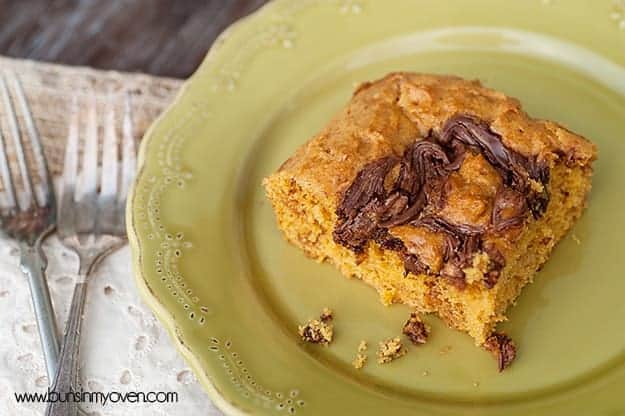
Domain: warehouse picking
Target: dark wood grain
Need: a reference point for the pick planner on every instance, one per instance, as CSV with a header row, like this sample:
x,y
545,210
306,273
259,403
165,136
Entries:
x,y
161,37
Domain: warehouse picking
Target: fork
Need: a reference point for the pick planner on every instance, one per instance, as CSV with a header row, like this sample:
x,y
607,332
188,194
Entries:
x,y
91,222
29,216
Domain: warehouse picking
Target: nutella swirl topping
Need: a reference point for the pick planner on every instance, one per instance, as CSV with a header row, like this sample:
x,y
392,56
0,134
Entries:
x,y
516,169
411,190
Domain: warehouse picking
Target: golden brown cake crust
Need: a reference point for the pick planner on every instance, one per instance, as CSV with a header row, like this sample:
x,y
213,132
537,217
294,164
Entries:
x,y
385,116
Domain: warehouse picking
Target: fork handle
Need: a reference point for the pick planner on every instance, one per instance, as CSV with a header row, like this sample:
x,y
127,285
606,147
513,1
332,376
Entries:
x,y
33,264
66,379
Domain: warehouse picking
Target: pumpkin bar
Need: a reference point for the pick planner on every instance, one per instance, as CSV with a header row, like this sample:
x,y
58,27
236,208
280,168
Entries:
x,y
438,192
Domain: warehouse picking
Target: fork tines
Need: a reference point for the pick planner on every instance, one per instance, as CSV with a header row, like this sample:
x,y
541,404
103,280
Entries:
x,y
21,190
94,198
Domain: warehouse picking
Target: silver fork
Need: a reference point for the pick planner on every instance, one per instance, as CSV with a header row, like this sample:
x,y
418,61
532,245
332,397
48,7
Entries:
x,y
91,222
29,216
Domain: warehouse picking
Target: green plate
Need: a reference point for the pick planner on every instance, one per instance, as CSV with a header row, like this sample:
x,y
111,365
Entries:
x,y
210,260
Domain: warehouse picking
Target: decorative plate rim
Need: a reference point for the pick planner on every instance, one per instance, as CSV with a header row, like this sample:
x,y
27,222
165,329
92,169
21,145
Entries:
x,y
151,298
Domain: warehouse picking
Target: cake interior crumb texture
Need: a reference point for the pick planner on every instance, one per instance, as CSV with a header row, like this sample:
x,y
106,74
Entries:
x,y
383,119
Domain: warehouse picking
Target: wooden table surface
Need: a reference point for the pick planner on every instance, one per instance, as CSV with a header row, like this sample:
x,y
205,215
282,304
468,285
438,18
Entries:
x,y
160,37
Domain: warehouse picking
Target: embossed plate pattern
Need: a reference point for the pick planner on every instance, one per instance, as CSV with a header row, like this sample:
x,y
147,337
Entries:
x,y
211,263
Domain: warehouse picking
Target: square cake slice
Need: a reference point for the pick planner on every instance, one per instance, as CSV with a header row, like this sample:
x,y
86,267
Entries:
x,y
438,192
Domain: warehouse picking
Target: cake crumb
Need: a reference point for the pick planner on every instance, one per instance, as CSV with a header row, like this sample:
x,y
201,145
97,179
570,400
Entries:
x,y
318,331
361,358
445,350
359,361
326,315
416,330
576,239
503,348
390,349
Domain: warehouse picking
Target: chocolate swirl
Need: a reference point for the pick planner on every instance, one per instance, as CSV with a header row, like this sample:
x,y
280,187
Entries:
x,y
516,169
382,196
